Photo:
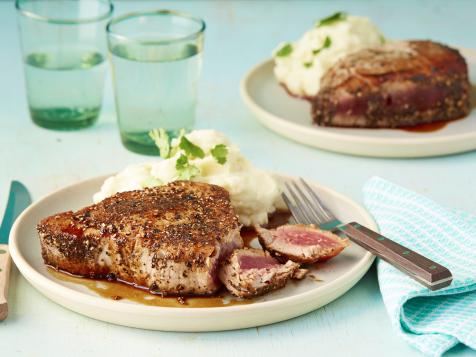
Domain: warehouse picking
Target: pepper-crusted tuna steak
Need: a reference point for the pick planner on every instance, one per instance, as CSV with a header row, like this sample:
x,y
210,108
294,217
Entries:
x,y
395,85
301,243
170,238
253,272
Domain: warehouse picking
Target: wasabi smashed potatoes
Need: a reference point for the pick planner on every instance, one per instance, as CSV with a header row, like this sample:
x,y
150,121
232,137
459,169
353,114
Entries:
x,y
205,156
300,65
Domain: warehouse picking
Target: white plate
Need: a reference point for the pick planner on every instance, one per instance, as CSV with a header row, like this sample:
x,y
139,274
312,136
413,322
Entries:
x,y
297,298
291,117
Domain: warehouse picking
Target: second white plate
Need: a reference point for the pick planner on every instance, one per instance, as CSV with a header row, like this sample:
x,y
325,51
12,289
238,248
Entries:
x,y
291,118
297,298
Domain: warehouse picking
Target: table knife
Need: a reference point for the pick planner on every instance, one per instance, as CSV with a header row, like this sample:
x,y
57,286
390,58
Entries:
x,y
18,200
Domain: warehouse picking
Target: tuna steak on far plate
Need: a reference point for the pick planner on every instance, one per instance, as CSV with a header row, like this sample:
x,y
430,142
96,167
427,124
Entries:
x,y
399,84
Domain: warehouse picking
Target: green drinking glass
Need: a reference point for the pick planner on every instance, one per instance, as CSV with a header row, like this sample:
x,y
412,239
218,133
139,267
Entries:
x,y
64,49
156,62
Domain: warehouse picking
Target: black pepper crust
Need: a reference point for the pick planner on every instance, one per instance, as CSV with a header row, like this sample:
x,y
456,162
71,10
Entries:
x,y
400,84
181,222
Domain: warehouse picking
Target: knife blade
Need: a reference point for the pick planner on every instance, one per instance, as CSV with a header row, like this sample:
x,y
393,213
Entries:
x,y
18,199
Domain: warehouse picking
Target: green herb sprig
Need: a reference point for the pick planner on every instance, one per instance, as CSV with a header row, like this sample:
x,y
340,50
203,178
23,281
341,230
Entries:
x,y
185,170
338,16
191,149
327,43
285,50
220,153
162,141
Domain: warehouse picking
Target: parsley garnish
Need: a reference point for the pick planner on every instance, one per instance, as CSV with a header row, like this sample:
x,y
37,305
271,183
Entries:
x,y
187,151
162,141
220,152
338,16
285,50
307,64
181,162
175,149
190,148
184,169
327,44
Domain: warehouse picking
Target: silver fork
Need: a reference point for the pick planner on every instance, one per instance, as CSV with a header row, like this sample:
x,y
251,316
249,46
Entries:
x,y
306,207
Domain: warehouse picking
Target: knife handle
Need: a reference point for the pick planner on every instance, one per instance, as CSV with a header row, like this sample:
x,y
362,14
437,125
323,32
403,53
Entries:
x,y
5,263
427,272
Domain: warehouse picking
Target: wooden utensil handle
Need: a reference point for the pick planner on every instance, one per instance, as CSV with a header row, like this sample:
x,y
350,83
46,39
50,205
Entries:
x,y
5,263
429,273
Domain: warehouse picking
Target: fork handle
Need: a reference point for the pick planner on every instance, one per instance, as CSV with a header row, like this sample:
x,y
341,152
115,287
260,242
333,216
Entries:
x,y
5,263
429,273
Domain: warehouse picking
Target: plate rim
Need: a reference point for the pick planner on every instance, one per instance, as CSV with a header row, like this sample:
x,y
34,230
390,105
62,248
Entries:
x,y
36,278
261,113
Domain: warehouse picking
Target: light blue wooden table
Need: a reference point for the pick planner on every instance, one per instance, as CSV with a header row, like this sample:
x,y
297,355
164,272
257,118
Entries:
x,y
239,34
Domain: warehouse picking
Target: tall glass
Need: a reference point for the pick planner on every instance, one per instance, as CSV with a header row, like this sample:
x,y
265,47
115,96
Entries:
x,y
64,48
156,59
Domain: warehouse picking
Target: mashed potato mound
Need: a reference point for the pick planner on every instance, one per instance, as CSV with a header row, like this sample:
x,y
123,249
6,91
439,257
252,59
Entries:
x,y
301,67
254,193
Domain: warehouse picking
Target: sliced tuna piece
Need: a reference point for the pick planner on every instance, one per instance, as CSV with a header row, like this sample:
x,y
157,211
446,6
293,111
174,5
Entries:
x,y
253,272
300,274
301,243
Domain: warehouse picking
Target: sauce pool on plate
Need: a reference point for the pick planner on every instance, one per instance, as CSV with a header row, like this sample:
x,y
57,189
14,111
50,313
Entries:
x,y
429,127
116,290
121,291
426,128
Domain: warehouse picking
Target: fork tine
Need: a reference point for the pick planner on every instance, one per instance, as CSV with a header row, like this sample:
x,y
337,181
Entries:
x,y
288,202
307,219
295,211
312,211
325,212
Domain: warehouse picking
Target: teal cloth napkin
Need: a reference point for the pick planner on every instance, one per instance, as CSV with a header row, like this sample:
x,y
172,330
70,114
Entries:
x,y
431,321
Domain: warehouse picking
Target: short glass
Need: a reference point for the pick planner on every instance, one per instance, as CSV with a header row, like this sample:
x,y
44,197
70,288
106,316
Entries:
x,y
156,63
64,50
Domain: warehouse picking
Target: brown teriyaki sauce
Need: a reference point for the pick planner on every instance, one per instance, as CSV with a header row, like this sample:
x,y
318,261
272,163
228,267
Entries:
x,y
119,290
426,128
430,127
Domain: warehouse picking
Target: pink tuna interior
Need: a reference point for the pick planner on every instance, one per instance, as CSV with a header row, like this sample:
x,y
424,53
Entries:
x,y
305,237
422,99
225,252
256,262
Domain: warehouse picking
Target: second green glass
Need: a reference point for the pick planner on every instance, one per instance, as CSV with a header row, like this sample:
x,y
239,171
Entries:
x,y
156,59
